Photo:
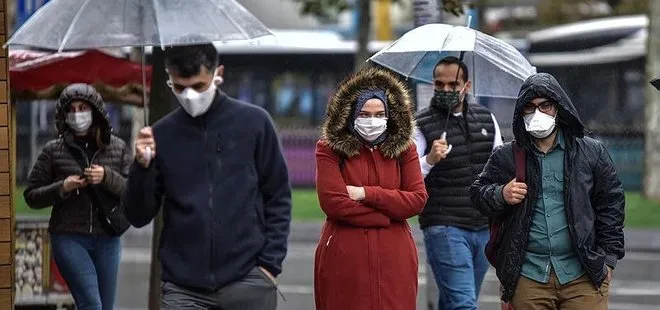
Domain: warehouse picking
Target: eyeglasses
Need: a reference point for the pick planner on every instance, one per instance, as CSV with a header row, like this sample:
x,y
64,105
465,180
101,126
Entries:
x,y
545,106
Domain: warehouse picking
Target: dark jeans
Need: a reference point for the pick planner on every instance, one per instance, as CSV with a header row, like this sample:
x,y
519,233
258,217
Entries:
x,y
255,291
459,264
89,265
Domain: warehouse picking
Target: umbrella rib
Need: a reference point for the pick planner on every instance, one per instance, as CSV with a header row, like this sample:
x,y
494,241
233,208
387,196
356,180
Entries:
x,y
160,36
233,21
417,64
73,23
445,40
34,16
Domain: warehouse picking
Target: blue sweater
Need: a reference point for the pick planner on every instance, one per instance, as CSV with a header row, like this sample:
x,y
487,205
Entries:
x,y
225,190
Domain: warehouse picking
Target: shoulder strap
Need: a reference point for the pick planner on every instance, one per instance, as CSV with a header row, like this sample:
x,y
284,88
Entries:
x,y
520,160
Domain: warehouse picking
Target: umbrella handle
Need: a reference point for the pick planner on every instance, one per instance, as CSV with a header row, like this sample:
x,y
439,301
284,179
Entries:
x,y
147,154
145,105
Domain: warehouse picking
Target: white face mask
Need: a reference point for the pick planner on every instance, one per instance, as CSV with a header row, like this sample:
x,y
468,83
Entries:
x,y
193,102
79,121
539,124
370,128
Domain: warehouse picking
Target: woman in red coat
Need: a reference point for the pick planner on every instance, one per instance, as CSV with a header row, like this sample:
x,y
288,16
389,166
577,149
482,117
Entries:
x,y
369,183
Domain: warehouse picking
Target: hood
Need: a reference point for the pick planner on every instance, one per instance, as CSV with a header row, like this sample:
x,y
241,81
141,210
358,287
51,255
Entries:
x,y
544,85
88,94
336,129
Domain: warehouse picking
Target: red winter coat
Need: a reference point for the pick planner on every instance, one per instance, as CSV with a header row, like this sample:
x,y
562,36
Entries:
x,y
366,258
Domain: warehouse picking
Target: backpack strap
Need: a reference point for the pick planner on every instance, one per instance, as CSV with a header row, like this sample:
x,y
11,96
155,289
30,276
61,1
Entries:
x,y
520,161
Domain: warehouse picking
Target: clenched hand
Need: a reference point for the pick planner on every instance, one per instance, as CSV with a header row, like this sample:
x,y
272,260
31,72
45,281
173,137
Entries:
x,y
73,182
94,174
514,192
356,193
439,150
145,146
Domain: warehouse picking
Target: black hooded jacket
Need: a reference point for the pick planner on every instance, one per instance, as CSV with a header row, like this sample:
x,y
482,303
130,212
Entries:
x,y
76,211
593,195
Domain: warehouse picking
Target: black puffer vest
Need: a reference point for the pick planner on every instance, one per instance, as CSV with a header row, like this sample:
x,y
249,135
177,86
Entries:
x,y
447,184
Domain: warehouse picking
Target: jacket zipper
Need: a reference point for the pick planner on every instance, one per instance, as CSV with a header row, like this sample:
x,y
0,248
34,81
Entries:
x,y
91,205
89,164
210,200
569,213
373,257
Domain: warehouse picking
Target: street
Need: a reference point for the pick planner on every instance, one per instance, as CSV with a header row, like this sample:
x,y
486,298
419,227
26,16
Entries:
x,y
636,283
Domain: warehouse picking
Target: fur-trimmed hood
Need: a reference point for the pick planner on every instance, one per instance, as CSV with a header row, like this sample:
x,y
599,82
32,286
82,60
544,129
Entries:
x,y
400,123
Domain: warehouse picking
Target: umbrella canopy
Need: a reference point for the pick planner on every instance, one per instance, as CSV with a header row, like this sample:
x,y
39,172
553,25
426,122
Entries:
x,y
496,68
88,24
83,24
36,75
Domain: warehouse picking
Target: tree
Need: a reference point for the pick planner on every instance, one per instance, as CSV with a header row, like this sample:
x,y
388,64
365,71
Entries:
x,y
652,132
553,12
329,9
629,7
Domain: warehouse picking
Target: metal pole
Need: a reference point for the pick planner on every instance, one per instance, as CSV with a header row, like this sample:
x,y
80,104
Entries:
x,y
162,98
145,100
434,15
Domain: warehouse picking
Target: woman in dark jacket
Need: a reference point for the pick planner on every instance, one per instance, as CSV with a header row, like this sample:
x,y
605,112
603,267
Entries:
x,y
82,174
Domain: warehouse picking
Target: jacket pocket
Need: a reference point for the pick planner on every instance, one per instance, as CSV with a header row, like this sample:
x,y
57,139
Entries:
x,y
595,263
259,216
266,277
328,247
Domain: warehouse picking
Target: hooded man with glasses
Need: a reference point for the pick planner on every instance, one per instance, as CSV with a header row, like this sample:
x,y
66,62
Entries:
x,y
563,227
454,140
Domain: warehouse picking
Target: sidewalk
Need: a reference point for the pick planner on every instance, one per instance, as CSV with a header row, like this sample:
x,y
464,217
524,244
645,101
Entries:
x,y
637,240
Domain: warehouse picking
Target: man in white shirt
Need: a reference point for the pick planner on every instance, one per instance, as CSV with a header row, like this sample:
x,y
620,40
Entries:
x,y
454,140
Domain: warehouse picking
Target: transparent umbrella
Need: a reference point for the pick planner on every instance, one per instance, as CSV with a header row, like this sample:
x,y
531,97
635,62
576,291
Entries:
x,y
87,24
497,69
83,24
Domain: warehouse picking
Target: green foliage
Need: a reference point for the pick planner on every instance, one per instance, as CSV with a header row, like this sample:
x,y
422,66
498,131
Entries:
x,y
631,7
454,7
554,12
323,8
331,8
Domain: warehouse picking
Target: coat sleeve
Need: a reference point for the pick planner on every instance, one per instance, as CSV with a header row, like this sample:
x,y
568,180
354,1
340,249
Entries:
x,y
42,189
276,192
608,202
115,181
409,200
333,196
486,191
143,193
